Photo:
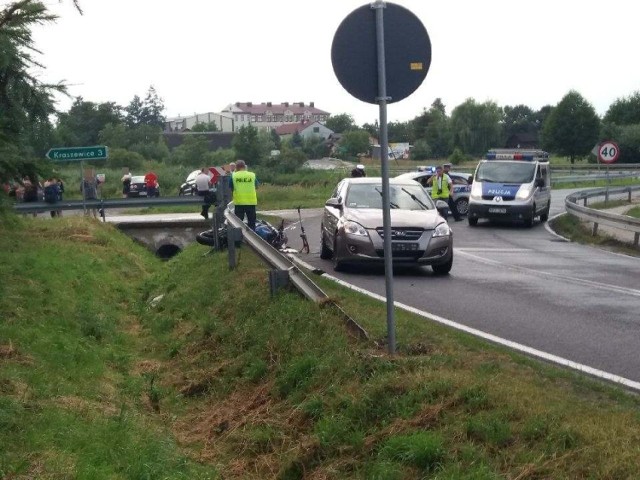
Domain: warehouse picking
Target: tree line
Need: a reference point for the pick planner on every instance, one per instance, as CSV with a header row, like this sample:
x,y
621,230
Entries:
x,y
569,129
30,123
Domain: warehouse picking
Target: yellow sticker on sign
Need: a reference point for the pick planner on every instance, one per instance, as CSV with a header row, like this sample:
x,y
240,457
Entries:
x,y
415,66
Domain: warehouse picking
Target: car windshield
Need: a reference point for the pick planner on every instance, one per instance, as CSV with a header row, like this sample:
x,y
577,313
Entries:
x,y
506,172
404,197
137,179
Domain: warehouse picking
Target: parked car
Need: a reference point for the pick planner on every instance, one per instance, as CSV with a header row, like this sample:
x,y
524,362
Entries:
x,y
189,185
461,185
139,188
352,230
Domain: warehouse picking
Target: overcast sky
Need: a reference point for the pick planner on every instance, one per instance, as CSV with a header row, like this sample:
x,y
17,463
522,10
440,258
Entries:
x,y
202,55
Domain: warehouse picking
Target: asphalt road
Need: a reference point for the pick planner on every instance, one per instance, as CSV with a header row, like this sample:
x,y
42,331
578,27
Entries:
x,y
524,285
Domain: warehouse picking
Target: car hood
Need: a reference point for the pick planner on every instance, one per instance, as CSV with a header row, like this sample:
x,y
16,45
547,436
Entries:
x,y
371,218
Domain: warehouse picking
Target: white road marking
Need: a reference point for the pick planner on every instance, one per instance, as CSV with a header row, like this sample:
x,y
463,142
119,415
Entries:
x,y
610,377
558,276
496,250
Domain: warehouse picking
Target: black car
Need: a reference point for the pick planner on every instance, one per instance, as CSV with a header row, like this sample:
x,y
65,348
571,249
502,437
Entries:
x,y
139,187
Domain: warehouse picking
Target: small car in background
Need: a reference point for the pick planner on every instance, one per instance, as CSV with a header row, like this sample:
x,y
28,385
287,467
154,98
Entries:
x,y
189,185
352,231
461,185
138,187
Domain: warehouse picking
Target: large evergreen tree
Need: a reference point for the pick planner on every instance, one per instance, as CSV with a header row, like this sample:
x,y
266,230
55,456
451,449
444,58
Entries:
x,y
25,102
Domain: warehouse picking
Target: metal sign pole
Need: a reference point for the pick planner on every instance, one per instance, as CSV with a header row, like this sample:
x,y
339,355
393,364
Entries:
x,y
382,99
84,193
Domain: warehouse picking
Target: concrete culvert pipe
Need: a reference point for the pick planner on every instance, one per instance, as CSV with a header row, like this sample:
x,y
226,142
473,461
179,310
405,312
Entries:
x,y
168,251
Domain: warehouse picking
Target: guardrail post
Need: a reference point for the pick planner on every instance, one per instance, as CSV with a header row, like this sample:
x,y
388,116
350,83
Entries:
x,y
233,235
594,231
629,195
585,201
222,198
636,238
278,279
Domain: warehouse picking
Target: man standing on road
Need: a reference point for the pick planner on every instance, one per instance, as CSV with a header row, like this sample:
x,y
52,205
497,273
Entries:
x,y
245,199
203,184
452,205
441,186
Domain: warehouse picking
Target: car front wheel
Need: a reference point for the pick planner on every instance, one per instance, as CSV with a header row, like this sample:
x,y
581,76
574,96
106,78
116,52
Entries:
x,y
462,204
443,268
325,252
337,264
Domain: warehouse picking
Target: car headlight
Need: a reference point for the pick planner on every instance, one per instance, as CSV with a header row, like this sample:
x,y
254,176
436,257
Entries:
x,y
353,228
442,230
476,191
524,192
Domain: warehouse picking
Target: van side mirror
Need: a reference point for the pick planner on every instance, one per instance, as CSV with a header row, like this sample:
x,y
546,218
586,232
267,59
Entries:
x,y
334,202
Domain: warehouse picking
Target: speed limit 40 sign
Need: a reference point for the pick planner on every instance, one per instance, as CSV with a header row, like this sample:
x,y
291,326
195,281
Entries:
x,y
608,152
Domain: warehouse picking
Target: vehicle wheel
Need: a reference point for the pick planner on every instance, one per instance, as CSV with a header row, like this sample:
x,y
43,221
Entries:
x,y
545,215
337,264
444,268
325,253
472,221
528,222
206,238
462,205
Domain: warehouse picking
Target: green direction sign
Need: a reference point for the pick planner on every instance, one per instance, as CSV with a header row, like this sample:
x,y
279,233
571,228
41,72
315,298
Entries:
x,y
72,154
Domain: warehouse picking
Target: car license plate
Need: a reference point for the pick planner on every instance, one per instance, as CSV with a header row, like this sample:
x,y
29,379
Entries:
x,y
143,194
497,210
404,247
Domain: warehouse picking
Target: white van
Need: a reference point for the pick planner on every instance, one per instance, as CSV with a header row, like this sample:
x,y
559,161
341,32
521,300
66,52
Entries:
x,y
512,185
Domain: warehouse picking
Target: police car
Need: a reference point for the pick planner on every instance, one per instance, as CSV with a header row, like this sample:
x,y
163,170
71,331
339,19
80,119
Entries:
x,y
461,186
513,185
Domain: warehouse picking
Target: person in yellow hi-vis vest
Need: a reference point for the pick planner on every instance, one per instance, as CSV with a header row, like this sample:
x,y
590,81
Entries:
x,y
441,186
245,199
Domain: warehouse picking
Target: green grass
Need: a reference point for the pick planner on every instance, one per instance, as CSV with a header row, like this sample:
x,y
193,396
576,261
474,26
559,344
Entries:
x,y
572,228
221,379
634,212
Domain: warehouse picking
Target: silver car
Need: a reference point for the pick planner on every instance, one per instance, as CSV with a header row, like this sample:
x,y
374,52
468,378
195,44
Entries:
x,y
352,232
461,185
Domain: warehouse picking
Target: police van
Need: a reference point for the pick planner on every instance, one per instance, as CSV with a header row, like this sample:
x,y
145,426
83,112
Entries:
x,y
511,185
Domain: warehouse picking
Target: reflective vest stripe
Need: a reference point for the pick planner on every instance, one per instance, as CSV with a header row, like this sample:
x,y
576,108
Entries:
x,y
244,188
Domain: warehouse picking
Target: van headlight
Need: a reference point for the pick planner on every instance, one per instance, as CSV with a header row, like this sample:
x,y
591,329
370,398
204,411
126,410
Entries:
x,y
524,192
442,230
476,191
353,228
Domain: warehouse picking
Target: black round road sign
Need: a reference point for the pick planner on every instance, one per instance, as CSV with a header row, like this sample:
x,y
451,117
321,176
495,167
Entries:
x,y
407,53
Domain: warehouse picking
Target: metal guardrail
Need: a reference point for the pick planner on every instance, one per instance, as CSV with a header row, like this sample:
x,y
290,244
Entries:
x,y
598,217
593,177
296,276
108,203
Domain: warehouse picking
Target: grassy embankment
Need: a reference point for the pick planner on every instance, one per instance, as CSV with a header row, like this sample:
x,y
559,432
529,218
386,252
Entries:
x,y
218,380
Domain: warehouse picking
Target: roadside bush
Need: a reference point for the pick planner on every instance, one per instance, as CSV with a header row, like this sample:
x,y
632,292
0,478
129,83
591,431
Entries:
x,y
120,157
457,157
421,150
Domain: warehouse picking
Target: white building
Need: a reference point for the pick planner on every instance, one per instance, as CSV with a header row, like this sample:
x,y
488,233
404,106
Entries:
x,y
269,115
306,129
224,122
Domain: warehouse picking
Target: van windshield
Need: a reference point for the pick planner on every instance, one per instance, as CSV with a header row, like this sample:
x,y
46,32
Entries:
x,y
506,172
